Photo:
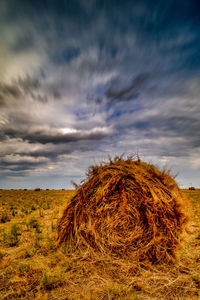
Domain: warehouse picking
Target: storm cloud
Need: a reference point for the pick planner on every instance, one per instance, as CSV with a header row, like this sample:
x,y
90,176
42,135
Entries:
x,y
58,136
82,80
130,92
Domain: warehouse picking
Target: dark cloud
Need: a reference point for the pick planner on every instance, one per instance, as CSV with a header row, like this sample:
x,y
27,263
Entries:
x,y
128,92
28,83
24,42
21,163
25,86
55,92
9,90
36,88
2,100
55,136
182,130
66,55
21,166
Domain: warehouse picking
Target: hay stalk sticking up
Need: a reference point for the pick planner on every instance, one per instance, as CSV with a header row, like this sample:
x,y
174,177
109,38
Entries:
x,y
125,209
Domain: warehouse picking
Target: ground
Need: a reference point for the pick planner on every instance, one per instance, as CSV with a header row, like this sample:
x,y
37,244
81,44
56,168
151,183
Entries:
x,y
32,267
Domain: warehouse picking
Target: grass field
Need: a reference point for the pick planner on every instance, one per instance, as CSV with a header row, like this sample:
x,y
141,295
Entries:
x,y
31,267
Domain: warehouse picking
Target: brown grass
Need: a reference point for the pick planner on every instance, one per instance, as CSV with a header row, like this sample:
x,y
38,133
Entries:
x,y
126,210
34,269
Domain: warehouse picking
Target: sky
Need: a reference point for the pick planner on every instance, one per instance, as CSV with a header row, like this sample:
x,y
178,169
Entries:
x,y
84,80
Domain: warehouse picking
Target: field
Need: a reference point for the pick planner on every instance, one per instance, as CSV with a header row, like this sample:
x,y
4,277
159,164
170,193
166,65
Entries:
x,y
32,267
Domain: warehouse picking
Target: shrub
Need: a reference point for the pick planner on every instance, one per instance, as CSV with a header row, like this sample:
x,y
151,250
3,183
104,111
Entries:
x,y
33,223
1,255
23,269
27,253
4,217
12,237
192,188
52,281
52,226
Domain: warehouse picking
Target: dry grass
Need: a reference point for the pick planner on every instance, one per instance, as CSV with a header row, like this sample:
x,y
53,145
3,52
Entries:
x,y
34,268
125,209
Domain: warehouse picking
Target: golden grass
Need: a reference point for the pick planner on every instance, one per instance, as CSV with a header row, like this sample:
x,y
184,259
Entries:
x,y
35,269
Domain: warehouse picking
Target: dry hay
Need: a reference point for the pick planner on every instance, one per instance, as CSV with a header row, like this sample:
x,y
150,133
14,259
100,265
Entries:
x,y
125,209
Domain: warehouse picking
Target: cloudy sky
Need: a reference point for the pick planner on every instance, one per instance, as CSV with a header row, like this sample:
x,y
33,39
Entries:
x,y
81,80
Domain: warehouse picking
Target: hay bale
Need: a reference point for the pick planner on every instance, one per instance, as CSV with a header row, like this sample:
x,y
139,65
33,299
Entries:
x,y
126,209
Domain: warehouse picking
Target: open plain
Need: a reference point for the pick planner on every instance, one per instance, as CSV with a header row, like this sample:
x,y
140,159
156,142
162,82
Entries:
x,y
33,267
